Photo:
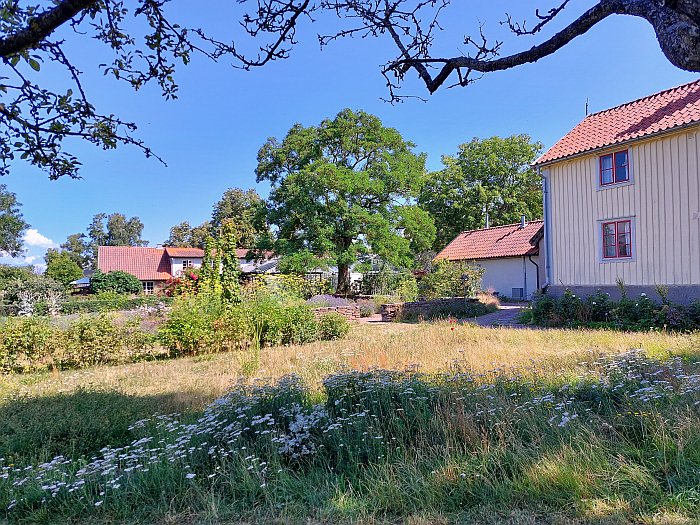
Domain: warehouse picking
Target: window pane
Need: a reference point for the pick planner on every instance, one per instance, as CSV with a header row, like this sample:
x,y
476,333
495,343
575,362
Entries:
x,y
623,227
606,162
610,251
606,177
620,159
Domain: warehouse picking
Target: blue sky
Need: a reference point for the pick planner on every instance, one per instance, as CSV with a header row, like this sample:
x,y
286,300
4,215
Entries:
x,y
210,135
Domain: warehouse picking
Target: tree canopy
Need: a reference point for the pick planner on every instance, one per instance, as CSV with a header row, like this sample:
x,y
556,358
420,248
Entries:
x,y
345,188
61,267
104,230
245,210
486,176
12,225
185,236
142,43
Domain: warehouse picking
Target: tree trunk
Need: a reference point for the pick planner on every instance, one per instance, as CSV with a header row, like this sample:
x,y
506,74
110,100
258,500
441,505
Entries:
x,y
343,287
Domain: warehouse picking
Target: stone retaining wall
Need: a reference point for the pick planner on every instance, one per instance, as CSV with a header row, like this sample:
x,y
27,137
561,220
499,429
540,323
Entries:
x,y
391,311
350,312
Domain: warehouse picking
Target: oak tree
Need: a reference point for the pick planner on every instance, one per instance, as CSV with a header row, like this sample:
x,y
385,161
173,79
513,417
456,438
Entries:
x,y
343,189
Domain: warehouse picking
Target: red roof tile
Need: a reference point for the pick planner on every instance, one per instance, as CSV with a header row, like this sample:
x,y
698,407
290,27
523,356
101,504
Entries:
x,y
490,243
147,264
184,252
664,111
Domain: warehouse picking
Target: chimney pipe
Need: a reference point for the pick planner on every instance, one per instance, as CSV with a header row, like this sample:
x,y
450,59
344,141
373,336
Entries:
x,y
523,222
488,222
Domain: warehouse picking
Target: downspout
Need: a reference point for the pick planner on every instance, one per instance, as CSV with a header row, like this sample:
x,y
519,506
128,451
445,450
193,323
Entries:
x,y
547,227
537,271
524,279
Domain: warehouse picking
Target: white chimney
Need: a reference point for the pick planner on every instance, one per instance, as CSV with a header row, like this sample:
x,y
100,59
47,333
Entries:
x,y
523,222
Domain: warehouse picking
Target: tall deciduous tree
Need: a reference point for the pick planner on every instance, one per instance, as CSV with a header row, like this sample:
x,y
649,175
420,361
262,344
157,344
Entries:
x,y
12,225
486,176
344,188
143,43
185,236
243,209
104,230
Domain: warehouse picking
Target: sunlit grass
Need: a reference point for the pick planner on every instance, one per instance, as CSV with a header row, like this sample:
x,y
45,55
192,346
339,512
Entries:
x,y
476,439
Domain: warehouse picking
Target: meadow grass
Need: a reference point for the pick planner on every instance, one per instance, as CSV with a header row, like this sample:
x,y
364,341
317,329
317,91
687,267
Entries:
x,y
474,424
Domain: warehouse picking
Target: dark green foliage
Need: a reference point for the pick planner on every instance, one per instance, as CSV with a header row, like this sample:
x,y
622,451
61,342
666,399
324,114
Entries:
x,y
451,279
343,188
600,311
12,224
230,267
116,281
61,267
492,175
104,230
185,236
332,326
245,210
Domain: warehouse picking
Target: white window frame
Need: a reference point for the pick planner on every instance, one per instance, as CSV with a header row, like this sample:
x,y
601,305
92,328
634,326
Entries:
x,y
146,287
187,263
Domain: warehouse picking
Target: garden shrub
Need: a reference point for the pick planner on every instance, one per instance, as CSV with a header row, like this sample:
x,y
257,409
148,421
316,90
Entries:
x,y
189,328
386,282
34,343
116,281
600,311
451,279
332,326
430,313
327,300
276,323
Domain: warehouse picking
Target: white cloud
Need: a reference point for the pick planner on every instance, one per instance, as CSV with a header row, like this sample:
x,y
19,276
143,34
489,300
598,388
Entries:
x,y
32,237
30,259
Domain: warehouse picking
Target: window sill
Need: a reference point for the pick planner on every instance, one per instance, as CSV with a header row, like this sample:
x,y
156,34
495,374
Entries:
x,y
601,187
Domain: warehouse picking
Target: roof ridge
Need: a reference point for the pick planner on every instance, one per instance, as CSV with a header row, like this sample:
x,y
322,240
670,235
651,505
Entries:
x,y
640,99
502,226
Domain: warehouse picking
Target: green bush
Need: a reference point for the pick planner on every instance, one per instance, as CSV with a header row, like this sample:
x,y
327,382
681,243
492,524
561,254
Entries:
x,y
116,281
276,323
332,326
600,311
33,343
189,328
451,279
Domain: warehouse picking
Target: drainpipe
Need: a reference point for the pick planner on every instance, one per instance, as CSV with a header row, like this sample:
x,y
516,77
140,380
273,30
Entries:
x,y
524,278
537,271
547,227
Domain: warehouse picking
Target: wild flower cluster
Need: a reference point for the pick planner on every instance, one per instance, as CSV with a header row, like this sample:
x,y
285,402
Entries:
x,y
260,434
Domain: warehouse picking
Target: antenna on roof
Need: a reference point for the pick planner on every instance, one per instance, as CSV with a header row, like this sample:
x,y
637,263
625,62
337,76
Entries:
x,y
586,106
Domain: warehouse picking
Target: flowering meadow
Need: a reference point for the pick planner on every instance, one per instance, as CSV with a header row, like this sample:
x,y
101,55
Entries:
x,y
611,435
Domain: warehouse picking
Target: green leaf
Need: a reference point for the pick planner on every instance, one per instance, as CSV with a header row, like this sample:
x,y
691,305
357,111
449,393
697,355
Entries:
x,y
34,64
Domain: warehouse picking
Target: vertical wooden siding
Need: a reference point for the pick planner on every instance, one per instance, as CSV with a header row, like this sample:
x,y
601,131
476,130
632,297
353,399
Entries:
x,y
664,196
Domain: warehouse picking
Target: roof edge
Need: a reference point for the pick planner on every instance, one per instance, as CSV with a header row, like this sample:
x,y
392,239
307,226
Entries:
x,y
649,136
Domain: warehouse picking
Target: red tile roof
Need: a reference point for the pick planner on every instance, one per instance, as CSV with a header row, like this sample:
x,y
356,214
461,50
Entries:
x,y
490,243
147,264
184,252
664,111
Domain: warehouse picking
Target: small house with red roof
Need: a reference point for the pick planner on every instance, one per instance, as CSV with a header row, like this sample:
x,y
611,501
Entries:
x,y
154,267
622,199
509,256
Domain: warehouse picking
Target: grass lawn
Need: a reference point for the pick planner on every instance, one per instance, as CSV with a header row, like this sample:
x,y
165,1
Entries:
x,y
509,425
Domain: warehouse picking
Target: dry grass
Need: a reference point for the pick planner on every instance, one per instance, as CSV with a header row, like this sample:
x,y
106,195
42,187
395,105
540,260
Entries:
x,y
189,383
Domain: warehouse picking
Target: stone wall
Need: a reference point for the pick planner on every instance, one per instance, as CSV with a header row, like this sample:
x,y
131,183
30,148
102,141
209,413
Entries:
x,y
391,311
350,312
